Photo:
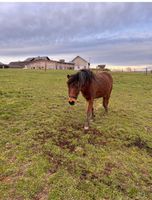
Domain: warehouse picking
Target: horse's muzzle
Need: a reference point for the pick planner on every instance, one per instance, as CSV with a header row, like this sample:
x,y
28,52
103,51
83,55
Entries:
x,y
72,101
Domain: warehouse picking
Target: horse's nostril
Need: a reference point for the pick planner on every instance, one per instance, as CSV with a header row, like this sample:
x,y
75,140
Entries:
x,y
71,103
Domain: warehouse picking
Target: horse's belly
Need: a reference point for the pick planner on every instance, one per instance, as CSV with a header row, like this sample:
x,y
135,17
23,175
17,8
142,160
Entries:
x,y
99,94
102,92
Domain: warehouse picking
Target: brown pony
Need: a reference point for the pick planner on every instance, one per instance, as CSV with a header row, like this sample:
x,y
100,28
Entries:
x,y
91,86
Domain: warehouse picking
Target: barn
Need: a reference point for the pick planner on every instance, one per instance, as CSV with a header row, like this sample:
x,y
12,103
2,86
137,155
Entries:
x,y
45,63
2,65
61,64
80,63
39,63
18,64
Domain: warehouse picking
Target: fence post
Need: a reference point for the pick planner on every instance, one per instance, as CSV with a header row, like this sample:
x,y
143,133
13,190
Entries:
x,y
45,66
146,71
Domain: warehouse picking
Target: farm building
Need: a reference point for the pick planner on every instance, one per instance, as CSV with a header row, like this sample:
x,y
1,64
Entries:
x,y
42,63
46,63
61,64
17,64
80,63
2,65
39,63
31,63
101,67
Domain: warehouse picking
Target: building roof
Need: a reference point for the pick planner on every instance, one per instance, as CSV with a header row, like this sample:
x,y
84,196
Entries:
x,y
29,59
38,58
80,58
21,64
2,64
18,64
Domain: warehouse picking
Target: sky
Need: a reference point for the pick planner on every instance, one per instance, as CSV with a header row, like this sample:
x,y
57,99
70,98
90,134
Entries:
x,y
115,34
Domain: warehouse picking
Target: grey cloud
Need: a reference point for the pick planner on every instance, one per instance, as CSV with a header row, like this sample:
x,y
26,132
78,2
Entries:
x,y
90,29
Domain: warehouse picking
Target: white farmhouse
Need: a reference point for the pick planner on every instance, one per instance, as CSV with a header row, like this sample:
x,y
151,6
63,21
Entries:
x,y
80,63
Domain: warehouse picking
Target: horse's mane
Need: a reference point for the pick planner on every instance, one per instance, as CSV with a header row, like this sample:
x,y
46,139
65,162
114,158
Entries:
x,y
82,77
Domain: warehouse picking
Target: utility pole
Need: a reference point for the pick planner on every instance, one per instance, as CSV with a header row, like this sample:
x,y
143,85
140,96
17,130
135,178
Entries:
x,y
89,62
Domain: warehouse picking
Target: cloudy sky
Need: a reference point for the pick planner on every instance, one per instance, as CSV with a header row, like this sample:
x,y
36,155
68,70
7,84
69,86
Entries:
x,y
118,34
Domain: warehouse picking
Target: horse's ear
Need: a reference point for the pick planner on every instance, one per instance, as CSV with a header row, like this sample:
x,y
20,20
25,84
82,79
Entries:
x,y
68,76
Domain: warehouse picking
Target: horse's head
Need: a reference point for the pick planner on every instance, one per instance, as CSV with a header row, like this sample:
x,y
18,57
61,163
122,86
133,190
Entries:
x,y
77,82
73,88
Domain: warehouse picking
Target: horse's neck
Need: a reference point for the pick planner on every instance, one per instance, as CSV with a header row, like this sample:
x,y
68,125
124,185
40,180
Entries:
x,y
86,91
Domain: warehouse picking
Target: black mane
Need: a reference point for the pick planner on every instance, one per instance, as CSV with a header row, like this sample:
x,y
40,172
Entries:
x,y
81,78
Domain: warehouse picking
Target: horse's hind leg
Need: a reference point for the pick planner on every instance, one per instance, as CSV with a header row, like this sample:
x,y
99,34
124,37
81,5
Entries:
x,y
106,100
93,115
105,103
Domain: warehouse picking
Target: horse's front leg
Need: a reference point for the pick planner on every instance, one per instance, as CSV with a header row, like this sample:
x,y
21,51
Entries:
x,y
93,115
89,114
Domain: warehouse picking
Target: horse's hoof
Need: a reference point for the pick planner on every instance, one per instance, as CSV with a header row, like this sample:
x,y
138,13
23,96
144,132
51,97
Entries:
x,y
86,128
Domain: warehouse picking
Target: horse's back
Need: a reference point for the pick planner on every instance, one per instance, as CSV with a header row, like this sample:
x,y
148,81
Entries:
x,y
106,76
104,83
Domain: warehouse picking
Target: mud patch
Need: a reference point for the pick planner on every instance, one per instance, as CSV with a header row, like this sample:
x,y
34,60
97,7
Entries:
x,y
108,168
95,131
96,137
76,126
64,144
97,141
42,136
57,161
44,193
138,142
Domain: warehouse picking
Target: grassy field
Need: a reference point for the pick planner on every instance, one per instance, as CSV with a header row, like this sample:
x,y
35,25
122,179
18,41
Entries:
x,y
45,153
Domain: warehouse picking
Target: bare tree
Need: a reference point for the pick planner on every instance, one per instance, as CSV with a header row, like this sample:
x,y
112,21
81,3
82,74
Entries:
x,y
128,69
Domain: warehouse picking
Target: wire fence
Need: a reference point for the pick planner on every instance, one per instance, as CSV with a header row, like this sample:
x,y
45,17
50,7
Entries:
x,y
146,70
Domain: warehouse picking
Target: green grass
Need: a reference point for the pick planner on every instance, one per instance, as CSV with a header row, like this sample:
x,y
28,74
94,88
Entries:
x,y
45,153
